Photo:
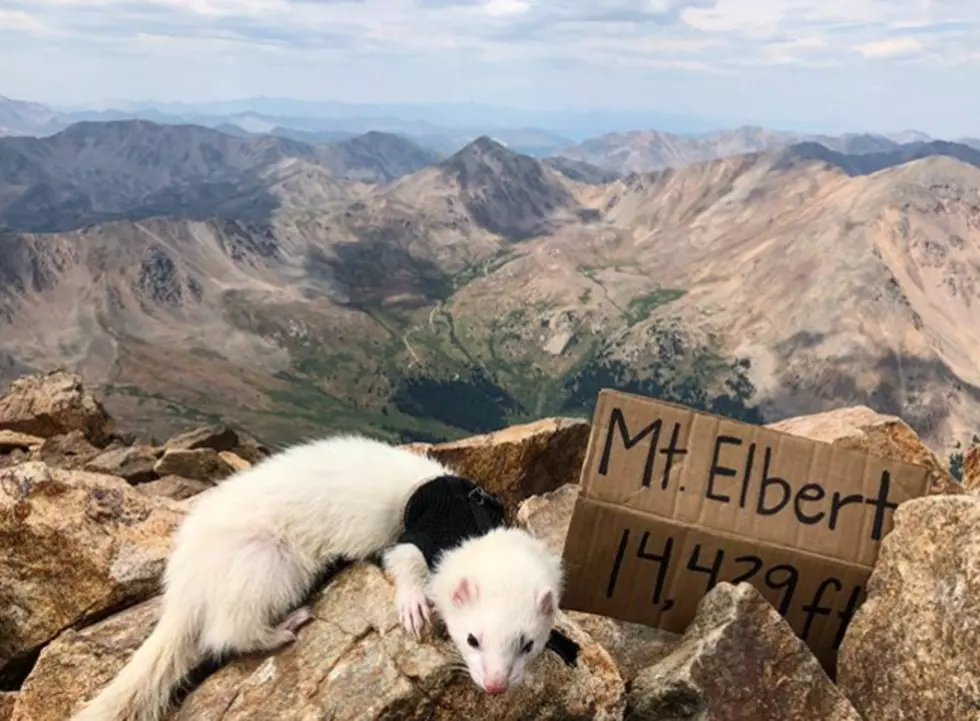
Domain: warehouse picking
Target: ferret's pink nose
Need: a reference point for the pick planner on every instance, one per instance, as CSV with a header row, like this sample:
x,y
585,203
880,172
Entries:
x,y
496,686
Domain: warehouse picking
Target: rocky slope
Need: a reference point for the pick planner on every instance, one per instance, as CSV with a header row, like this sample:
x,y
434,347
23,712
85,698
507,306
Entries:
x,y
88,511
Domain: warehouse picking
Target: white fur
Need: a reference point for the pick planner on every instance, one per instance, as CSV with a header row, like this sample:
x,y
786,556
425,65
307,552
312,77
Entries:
x,y
507,584
250,549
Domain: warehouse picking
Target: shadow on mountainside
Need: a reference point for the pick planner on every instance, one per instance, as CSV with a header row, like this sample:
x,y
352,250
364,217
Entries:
x,y
905,391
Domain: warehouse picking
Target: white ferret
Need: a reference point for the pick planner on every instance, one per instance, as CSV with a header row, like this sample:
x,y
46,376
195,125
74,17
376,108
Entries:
x,y
250,550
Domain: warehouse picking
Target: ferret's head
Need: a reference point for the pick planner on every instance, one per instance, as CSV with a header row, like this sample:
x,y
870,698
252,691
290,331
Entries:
x,y
498,597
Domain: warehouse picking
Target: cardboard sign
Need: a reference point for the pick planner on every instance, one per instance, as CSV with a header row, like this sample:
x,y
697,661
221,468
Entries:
x,y
672,501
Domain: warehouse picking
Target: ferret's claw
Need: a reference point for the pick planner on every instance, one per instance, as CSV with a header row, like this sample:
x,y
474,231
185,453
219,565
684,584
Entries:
x,y
413,610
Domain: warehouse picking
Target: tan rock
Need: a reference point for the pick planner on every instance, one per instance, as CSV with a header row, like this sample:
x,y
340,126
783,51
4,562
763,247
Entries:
x,y
174,487
71,451
911,650
971,469
12,440
353,662
201,464
51,404
236,462
75,545
519,461
739,661
13,458
632,645
863,429
7,700
220,437
134,463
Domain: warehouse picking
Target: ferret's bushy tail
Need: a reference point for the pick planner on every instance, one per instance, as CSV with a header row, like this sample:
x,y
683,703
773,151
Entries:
x,y
141,691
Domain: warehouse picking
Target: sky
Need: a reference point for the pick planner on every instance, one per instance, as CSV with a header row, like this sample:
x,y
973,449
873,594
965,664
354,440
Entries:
x,y
833,65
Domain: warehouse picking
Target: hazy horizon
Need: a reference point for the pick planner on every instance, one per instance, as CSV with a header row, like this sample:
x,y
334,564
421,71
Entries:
x,y
831,66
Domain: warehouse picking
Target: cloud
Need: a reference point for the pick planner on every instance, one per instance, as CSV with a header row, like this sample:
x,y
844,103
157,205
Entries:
x,y
634,52
902,47
20,21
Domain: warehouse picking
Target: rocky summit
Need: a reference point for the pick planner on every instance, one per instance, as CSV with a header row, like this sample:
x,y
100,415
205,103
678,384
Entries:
x,y
87,511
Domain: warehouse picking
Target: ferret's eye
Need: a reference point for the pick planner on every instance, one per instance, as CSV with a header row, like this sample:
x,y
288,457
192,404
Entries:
x,y
526,648
471,640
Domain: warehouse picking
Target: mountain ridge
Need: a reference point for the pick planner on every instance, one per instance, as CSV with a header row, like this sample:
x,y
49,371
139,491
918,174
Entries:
x,y
489,287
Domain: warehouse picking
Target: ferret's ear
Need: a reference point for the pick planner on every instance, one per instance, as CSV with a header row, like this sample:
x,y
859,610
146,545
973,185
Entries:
x,y
464,592
546,603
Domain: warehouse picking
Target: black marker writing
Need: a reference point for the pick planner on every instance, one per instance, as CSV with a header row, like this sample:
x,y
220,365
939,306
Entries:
x,y
711,563
775,492
617,421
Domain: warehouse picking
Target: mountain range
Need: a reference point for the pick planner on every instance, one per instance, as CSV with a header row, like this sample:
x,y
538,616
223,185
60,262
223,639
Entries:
x,y
372,283
445,128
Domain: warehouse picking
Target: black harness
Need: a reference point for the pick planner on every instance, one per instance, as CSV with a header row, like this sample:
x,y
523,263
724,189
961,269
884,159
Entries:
x,y
444,512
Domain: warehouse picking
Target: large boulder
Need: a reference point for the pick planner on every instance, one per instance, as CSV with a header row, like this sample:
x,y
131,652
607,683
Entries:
x,y
75,545
862,429
633,645
911,650
353,662
220,437
52,404
134,463
520,461
72,451
739,661
200,464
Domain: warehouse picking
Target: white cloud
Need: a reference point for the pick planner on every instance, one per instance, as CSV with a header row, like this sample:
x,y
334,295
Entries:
x,y
19,21
891,48
662,52
504,8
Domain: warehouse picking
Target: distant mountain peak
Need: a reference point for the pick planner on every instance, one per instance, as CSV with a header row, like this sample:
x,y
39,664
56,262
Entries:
x,y
484,147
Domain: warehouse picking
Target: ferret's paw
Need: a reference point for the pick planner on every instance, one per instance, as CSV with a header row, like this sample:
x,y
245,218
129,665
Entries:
x,y
413,610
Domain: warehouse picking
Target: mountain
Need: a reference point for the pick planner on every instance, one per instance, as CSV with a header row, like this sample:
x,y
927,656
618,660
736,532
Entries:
x,y
305,122
376,156
871,161
491,287
648,150
91,172
504,192
580,171
18,117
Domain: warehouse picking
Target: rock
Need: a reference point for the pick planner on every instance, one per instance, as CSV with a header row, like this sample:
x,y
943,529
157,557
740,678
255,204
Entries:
x,y
632,645
51,404
863,429
519,461
70,451
353,662
13,441
971,469
220,437
236,462
910,652
13,458
75,545
7,700
174,487
738,661
202,464
135,463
